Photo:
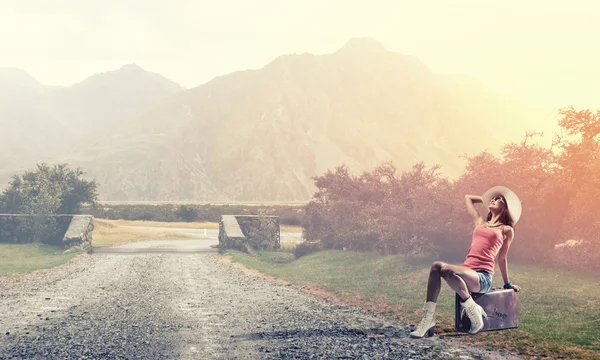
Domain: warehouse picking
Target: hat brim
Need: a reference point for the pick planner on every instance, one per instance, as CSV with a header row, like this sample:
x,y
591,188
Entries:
x,y
512,200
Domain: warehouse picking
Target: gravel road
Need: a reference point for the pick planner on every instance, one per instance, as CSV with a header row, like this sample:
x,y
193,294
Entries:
x,y
141,304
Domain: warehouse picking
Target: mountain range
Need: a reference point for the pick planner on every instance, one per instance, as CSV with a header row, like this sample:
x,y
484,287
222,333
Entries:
x,y
259,134
38,122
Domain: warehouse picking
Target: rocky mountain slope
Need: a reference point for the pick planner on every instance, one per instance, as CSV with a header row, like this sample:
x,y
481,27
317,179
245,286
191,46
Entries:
x,y
37,122
263,134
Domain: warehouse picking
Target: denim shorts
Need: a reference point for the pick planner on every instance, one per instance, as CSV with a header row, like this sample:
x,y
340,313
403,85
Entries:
x,y
485,281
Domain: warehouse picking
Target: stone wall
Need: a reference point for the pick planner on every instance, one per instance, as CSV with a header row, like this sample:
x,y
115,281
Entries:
x,y
72,231
262,232
249,232
230,234
79,233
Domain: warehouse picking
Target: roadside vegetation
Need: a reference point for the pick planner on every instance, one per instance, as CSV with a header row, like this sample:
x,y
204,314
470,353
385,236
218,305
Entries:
x,y
26,258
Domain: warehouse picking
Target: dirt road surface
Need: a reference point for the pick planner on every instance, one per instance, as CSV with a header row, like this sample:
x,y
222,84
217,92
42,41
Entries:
x,y
181,300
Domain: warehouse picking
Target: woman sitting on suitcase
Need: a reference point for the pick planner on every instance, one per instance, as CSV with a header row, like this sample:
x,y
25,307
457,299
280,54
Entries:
x,y
491,237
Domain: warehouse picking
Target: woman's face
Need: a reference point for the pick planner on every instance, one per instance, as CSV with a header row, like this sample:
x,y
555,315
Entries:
x,y
497,204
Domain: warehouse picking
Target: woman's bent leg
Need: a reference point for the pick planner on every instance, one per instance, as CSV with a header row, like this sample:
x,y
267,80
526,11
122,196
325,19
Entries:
x,y
434,283
426,326
461,279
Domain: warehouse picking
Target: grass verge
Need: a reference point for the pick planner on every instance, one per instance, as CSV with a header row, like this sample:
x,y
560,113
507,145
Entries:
x,y
559,317
25,258
109,233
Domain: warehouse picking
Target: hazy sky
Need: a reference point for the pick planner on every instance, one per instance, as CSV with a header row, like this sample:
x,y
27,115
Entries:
x,y
540,52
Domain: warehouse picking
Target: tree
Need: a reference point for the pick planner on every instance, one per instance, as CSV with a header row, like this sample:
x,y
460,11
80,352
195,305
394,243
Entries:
x,y
68,185
580,162
41,199
379,211
43,193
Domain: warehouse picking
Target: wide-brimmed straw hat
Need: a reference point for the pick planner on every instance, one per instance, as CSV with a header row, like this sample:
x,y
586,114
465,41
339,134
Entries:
x,y
512,200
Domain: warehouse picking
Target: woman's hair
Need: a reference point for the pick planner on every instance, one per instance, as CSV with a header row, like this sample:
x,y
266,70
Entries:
x,y
505,218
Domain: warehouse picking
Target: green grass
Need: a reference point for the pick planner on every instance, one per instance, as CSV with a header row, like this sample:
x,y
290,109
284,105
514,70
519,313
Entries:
x,y
559,316
25,258
276,257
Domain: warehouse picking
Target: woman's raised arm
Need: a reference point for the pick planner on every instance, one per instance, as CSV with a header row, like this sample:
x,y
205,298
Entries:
x,y
469,201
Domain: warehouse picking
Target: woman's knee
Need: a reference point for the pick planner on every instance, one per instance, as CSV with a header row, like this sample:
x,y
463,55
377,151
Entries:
x,y
437,267
447,271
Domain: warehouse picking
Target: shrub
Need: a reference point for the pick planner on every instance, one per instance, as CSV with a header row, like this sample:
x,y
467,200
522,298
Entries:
x,y
187,213
289,247
578,254
307,247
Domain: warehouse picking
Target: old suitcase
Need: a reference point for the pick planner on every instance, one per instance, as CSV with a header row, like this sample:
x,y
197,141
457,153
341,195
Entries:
x,y
501,306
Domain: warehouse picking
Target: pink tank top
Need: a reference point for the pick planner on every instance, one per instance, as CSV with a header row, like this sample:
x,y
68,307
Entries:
x,y
484,248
